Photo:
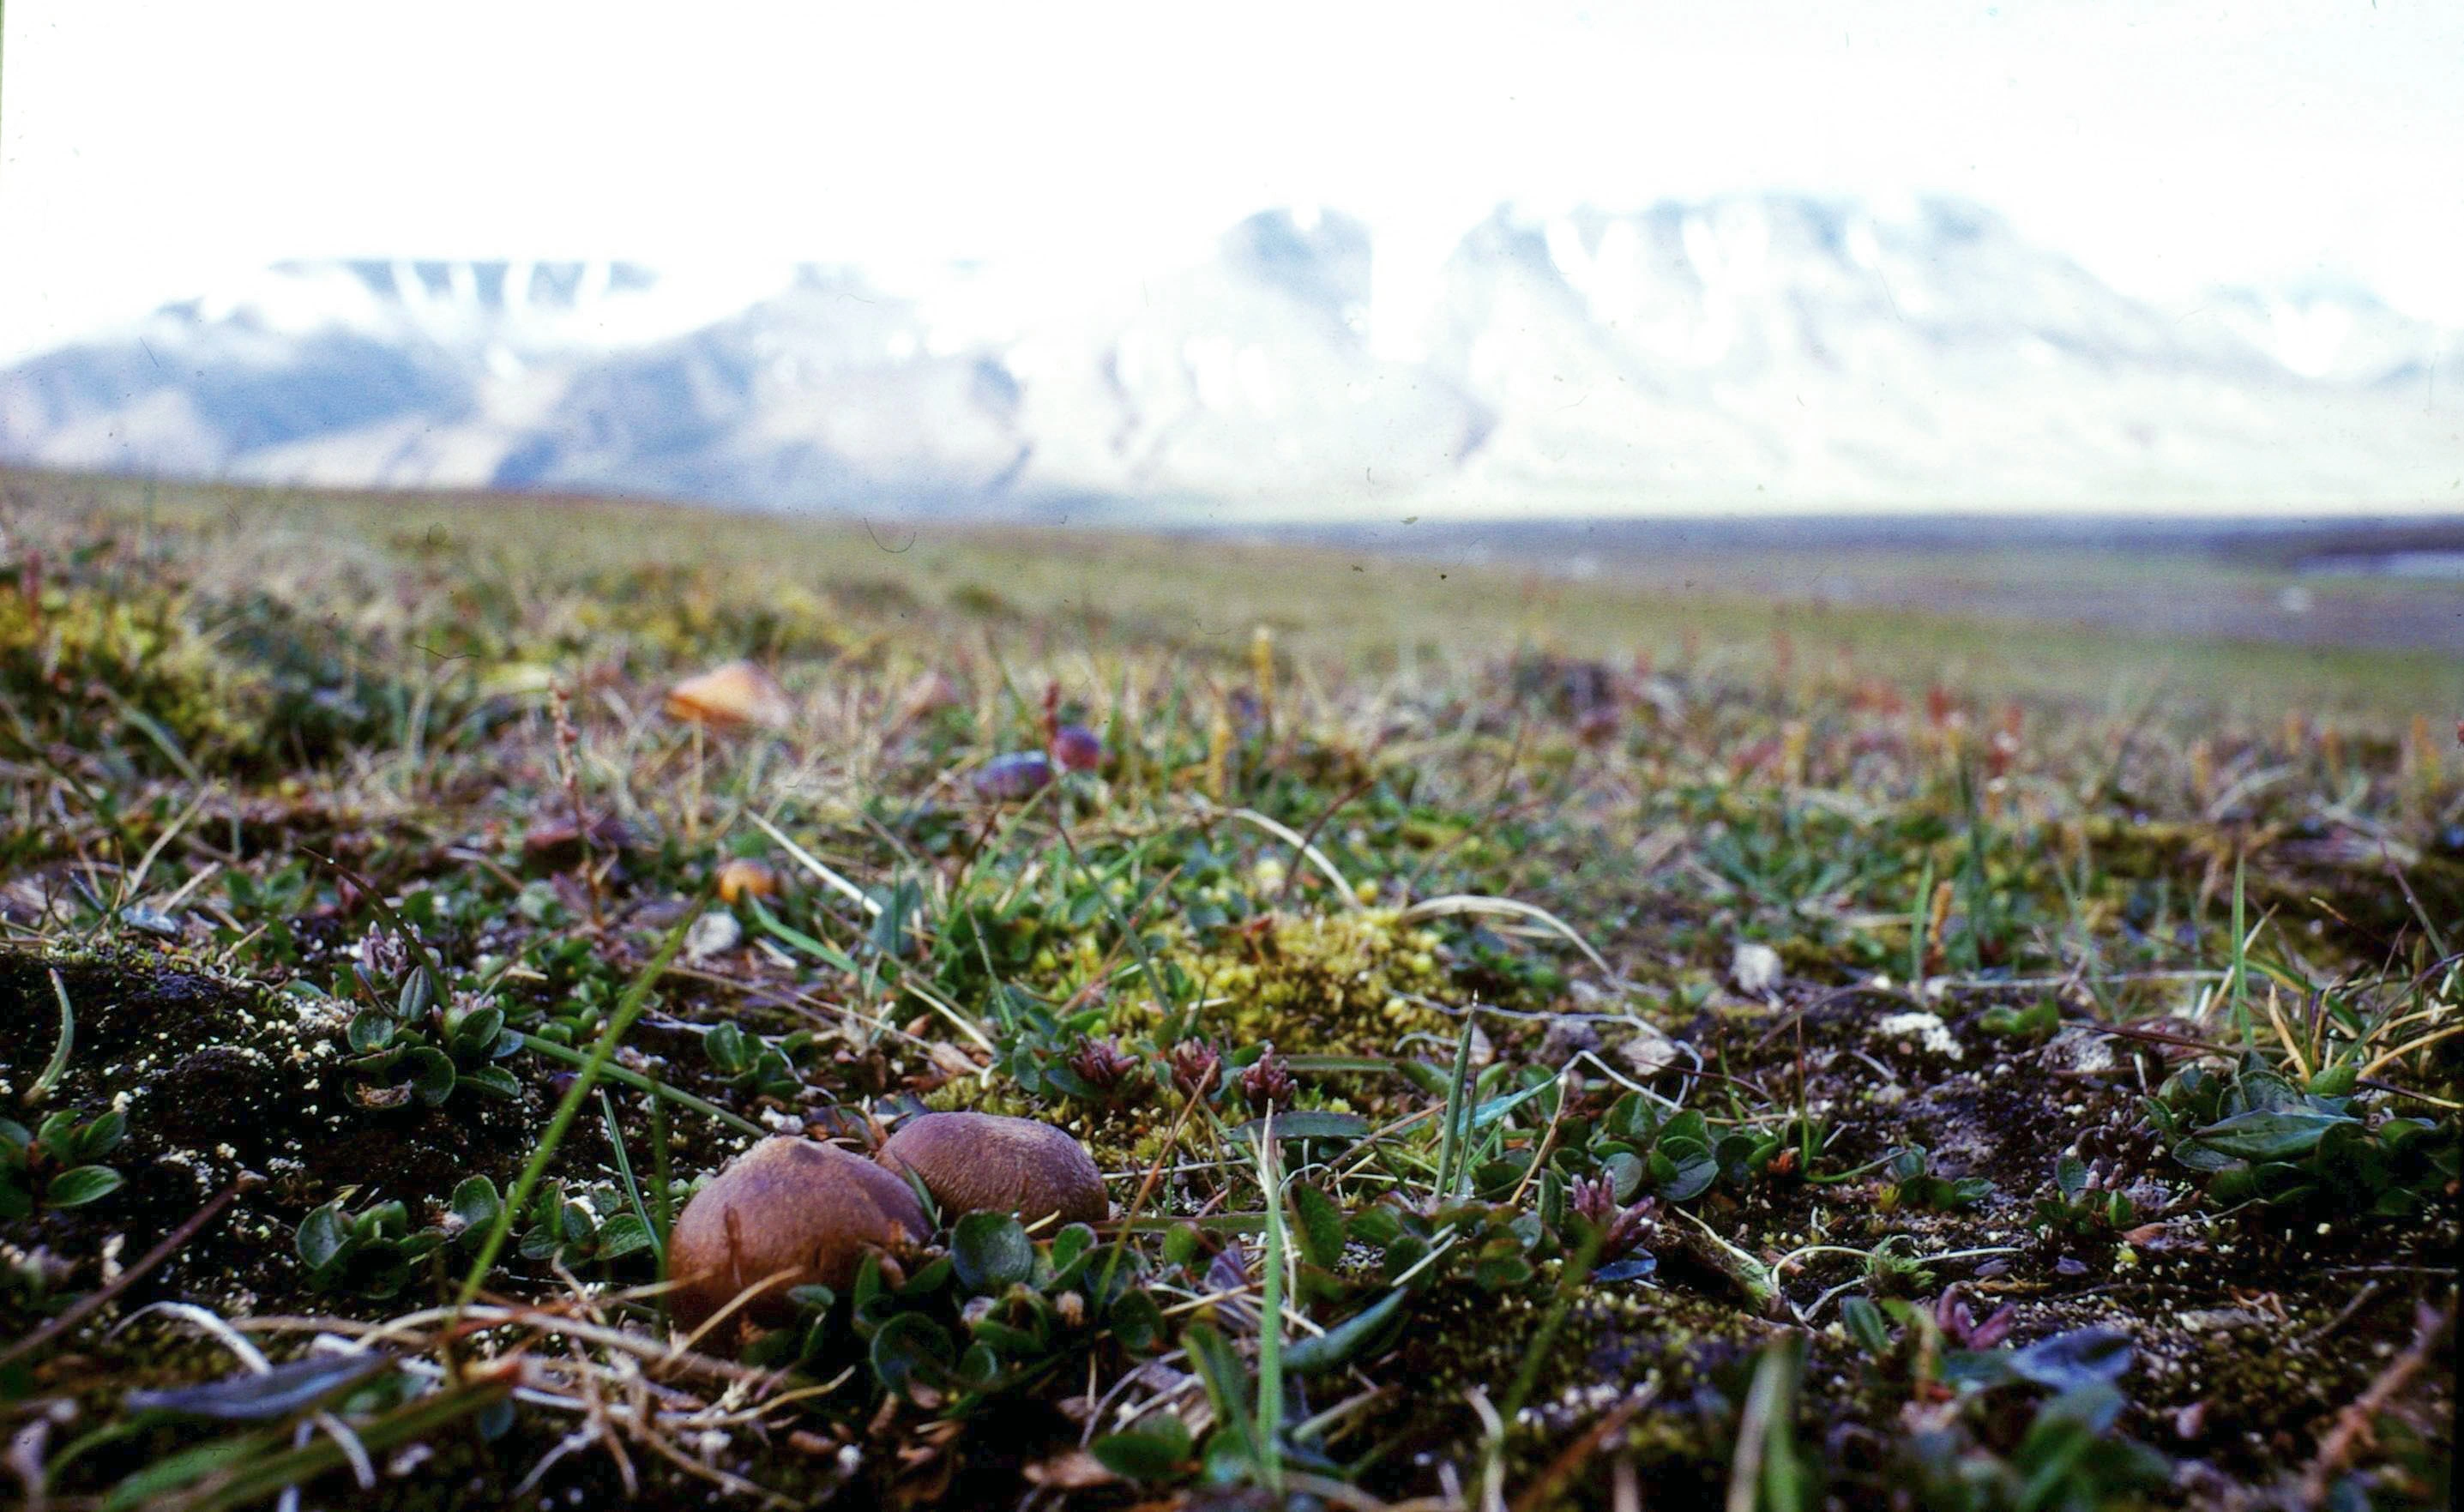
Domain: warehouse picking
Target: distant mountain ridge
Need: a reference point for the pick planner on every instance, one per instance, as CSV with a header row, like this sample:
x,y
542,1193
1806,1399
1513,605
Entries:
x,y
1748,349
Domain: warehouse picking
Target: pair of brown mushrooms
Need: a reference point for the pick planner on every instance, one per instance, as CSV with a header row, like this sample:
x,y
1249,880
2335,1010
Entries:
x,y
807,1213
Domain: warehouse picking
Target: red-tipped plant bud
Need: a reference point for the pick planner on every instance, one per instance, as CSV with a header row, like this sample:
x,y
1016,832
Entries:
x,y
1268,1083
1196,1068
1106,1068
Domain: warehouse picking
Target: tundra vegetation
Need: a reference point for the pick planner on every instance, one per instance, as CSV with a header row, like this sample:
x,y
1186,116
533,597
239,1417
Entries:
x,y
1543,1045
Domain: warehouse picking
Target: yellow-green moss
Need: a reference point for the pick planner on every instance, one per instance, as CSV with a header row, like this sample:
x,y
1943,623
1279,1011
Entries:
x,y
1333,984
144,650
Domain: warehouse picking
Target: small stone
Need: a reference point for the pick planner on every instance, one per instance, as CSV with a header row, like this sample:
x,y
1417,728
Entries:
x,y
149,921
1754,969
556,843
1649,1050
711,934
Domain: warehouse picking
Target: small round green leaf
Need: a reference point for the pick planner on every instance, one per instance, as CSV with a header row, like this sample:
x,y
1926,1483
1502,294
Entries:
x,y
911,1349
370,1031
418,994
84,1184
101,1135
990,1252
1070,1244
322,1235
1157,1448
1180,1243
476,1203
494,1079
1138,1323
431,1075
623,1235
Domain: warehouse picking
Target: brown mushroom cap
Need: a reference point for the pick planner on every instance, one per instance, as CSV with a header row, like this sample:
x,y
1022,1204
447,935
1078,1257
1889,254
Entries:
x,y
792,1205
731,696
975,1161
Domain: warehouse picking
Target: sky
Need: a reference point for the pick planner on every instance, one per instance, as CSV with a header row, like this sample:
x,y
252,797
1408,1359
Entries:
x,y
151,149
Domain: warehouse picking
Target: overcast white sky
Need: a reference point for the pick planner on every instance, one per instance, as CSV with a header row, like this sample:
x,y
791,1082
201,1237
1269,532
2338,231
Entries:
x,y
150,147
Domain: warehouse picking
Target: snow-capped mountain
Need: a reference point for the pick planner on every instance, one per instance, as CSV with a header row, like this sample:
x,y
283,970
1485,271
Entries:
x,y
1778,349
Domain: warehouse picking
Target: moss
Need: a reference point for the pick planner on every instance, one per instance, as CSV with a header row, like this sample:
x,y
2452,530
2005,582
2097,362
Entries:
x,y
87,655
1333,984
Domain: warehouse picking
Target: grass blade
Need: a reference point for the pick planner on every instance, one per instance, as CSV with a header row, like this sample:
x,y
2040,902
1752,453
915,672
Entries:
x,y
2240,983
1457,1093
661,1091
1307,847
812,863
1766,1473
625,1175
1475,902
58,1063
1270,1320
1919,915
663,1196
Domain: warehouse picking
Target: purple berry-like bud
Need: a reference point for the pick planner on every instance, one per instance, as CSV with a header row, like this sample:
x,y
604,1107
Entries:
x,y
1077,749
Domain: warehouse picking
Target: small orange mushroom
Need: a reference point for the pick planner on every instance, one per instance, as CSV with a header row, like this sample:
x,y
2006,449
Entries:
x,y
730,698
746,878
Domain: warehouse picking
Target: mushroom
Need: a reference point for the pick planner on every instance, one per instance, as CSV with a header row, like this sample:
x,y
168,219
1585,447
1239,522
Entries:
x,y
792,1205
744,878
729,696
975,1161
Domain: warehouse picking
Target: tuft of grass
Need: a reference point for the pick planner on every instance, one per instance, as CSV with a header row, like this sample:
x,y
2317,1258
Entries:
x,y
637,995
